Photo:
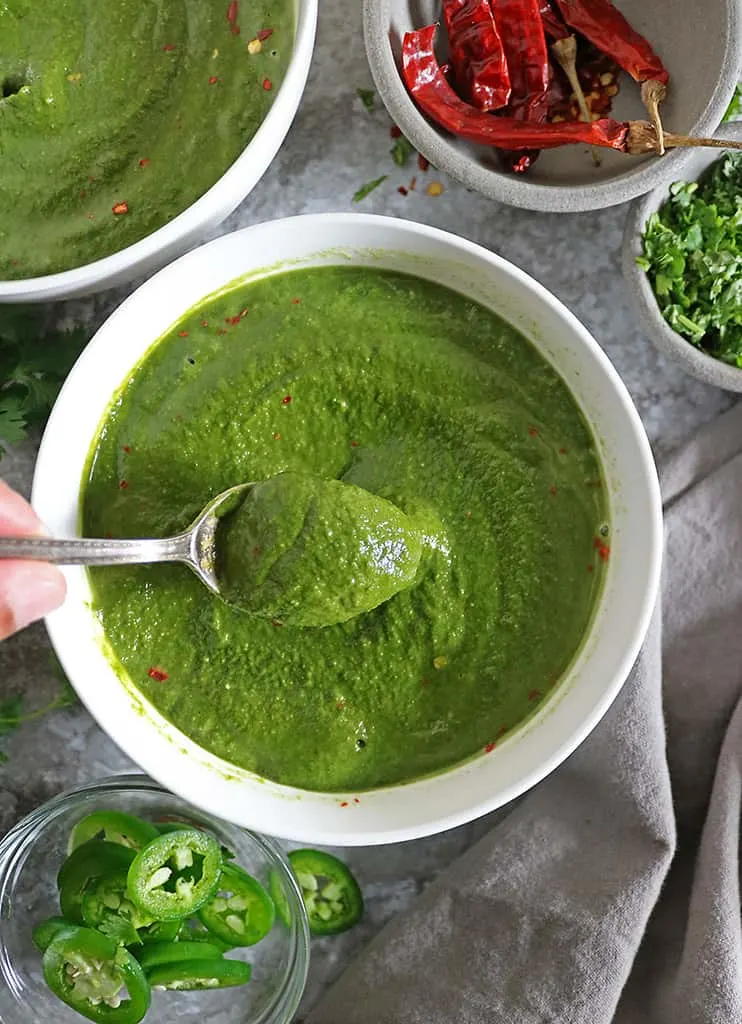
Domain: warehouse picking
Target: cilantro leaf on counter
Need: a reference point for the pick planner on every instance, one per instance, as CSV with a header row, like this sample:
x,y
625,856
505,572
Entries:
x,y
734,109
367,97
401,151
364,190
12,714
692,254
33,365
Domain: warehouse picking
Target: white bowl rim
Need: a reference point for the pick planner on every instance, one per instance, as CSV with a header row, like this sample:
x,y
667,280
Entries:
x,y
214,205
347,834
693,360
517,191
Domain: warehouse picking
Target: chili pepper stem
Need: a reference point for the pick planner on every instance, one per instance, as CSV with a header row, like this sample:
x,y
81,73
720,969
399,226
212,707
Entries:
x,y
653,93
642,138
565,51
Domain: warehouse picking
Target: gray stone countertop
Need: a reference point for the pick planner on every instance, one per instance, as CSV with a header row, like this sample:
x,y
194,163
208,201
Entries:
x,y
333,148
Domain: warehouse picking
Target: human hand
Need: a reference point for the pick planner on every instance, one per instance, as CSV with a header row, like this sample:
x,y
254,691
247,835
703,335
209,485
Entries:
x,y
28,590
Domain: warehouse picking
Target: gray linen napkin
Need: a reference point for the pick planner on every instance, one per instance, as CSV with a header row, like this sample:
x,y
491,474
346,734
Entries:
x,y
611,892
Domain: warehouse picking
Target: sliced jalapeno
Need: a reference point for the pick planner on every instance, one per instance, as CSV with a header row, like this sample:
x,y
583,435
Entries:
x,y
194,930
114,827
331,894
94,859
241,912
107,907
43,933
175,874
175,952
278,895
160,931
191,975
99,979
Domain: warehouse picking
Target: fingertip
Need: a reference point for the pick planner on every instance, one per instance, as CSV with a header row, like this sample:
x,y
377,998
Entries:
x,y
28,591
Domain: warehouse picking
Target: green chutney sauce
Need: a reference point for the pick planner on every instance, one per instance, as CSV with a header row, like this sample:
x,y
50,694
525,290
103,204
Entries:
x,y
448,438
116,115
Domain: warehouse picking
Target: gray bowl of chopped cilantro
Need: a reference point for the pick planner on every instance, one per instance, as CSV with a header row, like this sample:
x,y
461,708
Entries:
x,y
682,258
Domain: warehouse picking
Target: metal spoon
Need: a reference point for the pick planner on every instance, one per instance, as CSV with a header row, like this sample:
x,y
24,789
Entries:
x,y
196,547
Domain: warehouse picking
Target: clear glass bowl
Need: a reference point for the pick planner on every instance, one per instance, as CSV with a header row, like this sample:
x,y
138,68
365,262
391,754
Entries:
x,y
30,857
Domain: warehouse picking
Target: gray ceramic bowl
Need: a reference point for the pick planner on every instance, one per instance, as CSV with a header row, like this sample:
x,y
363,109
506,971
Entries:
x,y
672,344
702,50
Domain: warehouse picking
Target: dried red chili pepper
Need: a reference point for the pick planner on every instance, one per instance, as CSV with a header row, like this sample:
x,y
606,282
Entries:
x,y
605,27
477,53
554,26
435,97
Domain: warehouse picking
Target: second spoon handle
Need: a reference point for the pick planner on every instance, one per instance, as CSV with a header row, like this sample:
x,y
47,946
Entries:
x,y
96,552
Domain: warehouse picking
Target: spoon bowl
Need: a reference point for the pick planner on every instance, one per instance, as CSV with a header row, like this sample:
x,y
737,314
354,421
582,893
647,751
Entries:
x,y
195,547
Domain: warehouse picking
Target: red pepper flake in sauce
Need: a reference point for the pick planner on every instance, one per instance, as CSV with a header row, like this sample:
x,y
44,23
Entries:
x,y
553,491
264,33
354,444
426,681
276,437
286,400
562,451
534,695
232,12
204,323
591,568
123,485
501,731
402,190
233,320
490,747
83,193
356,800
169,47
213,79
395,132
267,84
343,803
145,161
532,432
158,675
295,302
604,551
91,179
182,334
127,449
340,705
120,208
422,163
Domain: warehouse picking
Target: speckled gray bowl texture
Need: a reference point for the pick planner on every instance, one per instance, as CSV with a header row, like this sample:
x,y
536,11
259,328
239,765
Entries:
x,y
672,344
700,44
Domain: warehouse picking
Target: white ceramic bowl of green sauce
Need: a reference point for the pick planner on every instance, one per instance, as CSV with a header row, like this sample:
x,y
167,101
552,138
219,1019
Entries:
x,y
188,227
490,779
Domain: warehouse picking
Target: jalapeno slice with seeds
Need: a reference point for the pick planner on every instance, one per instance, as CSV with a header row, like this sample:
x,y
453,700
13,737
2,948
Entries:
x,y
241,912
193,975
176,874
43,933
160,931
194,930
97,978
106,906
94,859
331,894
176,952
113,827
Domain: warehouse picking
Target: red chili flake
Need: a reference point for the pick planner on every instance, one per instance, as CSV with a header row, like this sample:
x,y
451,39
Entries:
x,y
343,803
204,323
127,449
83,193
264,33
426,681
158,675
169,47
213,79
402,190
591,568
501,731
120,208
267,84
604,551
413,184
123,485
533,432
182,334
145,161
91,179
235,30
553,491
232,320
232,12
489,748
276,437
295,302
395,131
534,695
257,550
562,451
422,163
286,400
356,800
340,705
354,444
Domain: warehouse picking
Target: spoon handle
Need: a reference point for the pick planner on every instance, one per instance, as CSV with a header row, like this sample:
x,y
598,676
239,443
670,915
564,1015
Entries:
x,y
96,552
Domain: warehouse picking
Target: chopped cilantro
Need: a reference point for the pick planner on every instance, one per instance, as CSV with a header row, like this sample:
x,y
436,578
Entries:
x,y
734,109
33,365
692,254
12,714
401,151
367,97
364,190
